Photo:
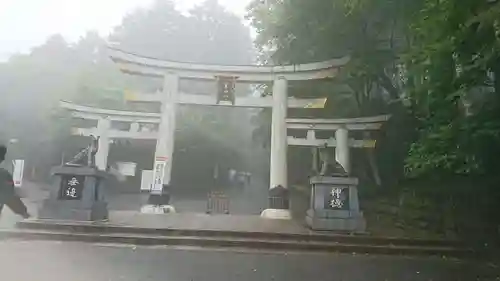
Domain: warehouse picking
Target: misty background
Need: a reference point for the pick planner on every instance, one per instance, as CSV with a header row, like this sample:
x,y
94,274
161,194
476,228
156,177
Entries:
x,y
35,20
62,68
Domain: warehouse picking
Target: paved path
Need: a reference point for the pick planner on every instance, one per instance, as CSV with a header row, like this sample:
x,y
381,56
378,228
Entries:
x,y
250,200
63,261
245,206
9,219
207,222
32,195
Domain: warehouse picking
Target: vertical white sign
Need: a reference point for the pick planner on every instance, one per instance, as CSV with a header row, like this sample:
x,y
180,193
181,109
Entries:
x,y
158,175
146,180
18,172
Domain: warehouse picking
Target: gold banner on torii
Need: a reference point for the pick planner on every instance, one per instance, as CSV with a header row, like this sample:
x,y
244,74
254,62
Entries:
x,y
320,103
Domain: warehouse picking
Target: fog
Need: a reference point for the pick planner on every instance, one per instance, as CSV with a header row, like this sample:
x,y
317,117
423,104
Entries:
x,y
35,20
80,70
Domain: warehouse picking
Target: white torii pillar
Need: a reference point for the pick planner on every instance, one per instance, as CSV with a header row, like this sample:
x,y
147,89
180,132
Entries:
x,y
134,127
278,172
101,157
165,143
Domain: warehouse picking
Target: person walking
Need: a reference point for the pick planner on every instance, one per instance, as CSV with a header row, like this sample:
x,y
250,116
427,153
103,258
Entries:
x,y
8,194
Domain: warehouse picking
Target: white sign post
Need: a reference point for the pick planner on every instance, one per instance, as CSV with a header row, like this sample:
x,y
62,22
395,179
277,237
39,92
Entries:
x,y
18,171
158,175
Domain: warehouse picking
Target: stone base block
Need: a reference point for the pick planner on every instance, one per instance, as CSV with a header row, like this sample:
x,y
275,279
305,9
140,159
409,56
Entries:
x,y
349,224
157,209
62,211
282,214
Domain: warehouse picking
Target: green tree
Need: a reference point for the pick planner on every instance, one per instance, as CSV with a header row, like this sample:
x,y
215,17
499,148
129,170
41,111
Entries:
x,y
372,33
433,65
453,63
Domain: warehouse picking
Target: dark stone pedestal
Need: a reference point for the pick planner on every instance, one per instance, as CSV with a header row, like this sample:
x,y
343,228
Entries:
x,y
77,193
335,205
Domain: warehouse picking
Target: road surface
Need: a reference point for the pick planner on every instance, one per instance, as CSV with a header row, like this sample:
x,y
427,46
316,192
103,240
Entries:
x,y
68,261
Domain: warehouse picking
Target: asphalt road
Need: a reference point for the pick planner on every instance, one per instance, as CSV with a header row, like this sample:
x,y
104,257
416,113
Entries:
x,y
65,261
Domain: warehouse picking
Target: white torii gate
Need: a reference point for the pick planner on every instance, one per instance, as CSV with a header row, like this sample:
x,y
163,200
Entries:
x,y
341,141
104,117
171,72
341,127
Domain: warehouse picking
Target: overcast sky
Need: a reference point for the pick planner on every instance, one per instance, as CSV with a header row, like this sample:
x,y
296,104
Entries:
x,y
27,23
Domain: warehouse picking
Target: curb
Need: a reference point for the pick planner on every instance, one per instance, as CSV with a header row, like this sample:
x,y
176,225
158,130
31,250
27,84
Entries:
x,y
105,233
104,228
227,242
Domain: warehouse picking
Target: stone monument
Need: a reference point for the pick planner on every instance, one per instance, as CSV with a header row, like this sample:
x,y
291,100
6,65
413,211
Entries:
x,y
334,202
78,191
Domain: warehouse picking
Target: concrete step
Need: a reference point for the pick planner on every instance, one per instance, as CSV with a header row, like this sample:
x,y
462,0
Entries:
x,y
311,237
236,242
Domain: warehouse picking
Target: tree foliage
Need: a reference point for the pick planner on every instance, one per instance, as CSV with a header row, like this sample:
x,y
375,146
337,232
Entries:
x,y
434,65
370,32
437,58
453,66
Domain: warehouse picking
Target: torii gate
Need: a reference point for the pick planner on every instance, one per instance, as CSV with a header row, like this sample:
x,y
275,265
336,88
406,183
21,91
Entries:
x,y
339,140
105,117
171,72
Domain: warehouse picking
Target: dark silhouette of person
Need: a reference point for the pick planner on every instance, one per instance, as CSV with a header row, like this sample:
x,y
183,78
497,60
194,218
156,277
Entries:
x,y
8,194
